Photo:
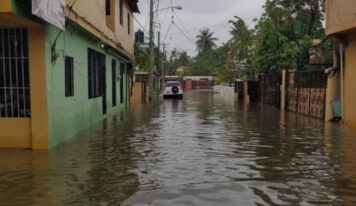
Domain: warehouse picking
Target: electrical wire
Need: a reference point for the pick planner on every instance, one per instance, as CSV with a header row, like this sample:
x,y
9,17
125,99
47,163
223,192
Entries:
x,y
165,36
138,22
196,29
186,36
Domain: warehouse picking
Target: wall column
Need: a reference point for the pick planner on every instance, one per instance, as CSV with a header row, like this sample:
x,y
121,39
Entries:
x,y
38,85
283,90
245,92
5,5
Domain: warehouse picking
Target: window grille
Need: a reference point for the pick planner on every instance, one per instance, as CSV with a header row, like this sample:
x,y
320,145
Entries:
x,y
14,74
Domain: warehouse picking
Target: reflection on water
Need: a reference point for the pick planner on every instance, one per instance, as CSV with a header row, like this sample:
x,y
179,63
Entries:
x,y
202,150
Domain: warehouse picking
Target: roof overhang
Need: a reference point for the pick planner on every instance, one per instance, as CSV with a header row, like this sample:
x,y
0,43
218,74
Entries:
x,y
133,5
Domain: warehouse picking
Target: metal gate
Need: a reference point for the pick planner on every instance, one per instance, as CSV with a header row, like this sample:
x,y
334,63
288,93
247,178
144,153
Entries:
x,y
14,74
270,89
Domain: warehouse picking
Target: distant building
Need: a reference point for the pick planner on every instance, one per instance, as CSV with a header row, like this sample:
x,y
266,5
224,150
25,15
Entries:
x,y
194,82
140,37
64,65
341,23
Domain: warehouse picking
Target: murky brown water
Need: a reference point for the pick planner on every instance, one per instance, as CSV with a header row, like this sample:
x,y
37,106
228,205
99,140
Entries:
x,y
202,150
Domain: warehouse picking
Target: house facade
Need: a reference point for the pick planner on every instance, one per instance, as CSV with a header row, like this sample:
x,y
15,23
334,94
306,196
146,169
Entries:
x,y
341,23
64,65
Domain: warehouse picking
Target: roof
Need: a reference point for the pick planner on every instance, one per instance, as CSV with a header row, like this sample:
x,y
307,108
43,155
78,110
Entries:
x,y
133,5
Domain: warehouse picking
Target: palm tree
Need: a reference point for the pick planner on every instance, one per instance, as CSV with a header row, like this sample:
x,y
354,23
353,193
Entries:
x,y
206,41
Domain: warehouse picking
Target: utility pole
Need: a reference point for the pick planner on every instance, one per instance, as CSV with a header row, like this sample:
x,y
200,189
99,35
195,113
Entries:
x,y
151,56
163,65
159,57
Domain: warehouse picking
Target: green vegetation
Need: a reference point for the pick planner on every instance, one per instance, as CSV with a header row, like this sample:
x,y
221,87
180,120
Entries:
x,y
205,41
287,35
141,57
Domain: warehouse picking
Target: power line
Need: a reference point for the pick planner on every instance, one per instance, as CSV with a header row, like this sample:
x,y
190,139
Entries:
x,y
196,29
169,28
186,36
138,22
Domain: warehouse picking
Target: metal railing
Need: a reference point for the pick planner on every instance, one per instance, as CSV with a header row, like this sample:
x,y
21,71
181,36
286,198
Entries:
x,y
14,74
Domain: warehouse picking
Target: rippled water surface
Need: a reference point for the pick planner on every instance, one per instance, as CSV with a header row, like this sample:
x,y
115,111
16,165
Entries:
x,y
202,150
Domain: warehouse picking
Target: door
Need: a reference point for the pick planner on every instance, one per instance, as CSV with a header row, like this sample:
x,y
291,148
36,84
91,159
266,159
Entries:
x,y
113,73
103,76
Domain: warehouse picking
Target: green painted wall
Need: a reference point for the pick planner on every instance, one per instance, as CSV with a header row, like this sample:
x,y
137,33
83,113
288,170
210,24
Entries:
x,y
70,115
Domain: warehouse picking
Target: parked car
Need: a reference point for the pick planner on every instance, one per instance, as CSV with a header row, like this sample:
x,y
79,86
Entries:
x,y
172,89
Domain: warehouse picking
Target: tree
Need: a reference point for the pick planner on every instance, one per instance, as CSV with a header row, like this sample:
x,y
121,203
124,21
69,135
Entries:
x,y
205,41
141,57
242,46
273,51
204,64
300,21
177,59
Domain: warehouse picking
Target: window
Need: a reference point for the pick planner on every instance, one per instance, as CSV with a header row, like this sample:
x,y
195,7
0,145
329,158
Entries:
x,y
14,73
110,14
113,79
107,7
122,71
69,77
128,23
96,73
121,12
172,84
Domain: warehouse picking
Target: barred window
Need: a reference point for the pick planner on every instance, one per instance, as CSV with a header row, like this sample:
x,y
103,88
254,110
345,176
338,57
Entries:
x,y
14,74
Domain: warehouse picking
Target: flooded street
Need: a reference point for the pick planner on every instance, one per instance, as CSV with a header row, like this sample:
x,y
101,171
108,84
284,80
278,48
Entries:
x,y
202,150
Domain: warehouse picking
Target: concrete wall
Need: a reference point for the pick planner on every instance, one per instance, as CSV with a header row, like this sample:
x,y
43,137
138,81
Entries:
x,y
349,80
69,115
225,91
91,15
333,92
340,15
138,94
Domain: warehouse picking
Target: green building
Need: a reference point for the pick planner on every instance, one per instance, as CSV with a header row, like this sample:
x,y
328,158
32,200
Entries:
x,y
64,65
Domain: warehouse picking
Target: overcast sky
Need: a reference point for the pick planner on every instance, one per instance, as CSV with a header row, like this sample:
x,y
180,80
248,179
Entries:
x,y
196,15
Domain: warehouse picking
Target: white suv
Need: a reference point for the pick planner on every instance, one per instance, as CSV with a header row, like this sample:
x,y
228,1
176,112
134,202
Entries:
x,y
172,89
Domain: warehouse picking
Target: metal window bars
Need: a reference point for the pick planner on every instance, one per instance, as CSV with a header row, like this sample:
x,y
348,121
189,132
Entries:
x,y
14,74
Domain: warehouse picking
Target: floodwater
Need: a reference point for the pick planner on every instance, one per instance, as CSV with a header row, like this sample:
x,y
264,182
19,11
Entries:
x,y
202,150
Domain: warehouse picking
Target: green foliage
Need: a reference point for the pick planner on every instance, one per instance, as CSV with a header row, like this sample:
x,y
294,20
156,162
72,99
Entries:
x,y
203,64
281,39
177,59
238,53
273,51
293,24
205,41
141,57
